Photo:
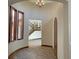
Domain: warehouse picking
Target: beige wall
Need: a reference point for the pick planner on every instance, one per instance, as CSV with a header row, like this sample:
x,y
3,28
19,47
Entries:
x,y
60,33
47,32
67,31
47,15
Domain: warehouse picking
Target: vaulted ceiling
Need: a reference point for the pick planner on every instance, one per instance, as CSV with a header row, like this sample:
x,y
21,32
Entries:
x,y
15,1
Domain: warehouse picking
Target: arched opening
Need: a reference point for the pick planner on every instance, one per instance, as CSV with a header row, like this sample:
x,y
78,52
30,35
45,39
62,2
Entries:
x,y
35,33
55,37
31,11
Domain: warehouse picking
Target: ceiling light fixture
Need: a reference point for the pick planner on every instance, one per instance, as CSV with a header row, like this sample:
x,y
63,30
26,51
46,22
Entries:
x,y
40,3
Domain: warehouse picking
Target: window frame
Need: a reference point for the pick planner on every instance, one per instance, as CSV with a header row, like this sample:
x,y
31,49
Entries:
x,y
22,32
10,23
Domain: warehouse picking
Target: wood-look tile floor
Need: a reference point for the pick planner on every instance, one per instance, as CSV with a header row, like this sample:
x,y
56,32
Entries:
x,y
36,52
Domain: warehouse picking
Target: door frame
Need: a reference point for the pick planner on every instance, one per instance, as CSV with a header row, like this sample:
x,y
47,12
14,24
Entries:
x,y
55,37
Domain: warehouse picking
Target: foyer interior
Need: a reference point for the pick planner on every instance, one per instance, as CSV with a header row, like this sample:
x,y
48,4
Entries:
x,y
46,33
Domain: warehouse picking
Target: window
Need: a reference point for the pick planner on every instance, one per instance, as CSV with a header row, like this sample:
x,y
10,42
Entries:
x,y
16,24
20,25
12,24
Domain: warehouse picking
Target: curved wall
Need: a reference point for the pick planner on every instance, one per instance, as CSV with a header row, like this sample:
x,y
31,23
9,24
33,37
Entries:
x,y
47,14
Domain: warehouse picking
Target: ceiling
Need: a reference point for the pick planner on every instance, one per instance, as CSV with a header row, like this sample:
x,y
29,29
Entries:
x,y
15,1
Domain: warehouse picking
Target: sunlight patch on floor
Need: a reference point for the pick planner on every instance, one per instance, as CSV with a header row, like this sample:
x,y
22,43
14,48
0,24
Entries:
x,y
33,43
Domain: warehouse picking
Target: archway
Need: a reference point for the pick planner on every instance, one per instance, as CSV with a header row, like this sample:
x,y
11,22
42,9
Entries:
x,y
60,54
55,37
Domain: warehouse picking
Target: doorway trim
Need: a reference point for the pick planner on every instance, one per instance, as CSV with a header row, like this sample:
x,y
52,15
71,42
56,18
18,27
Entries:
x,y
55,37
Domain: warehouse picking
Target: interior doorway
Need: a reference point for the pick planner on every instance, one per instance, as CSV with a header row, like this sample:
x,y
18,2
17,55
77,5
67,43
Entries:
x,y
35,33
55,37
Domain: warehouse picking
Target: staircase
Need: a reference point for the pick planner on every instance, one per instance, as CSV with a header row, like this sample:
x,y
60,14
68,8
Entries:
x,y
34,27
